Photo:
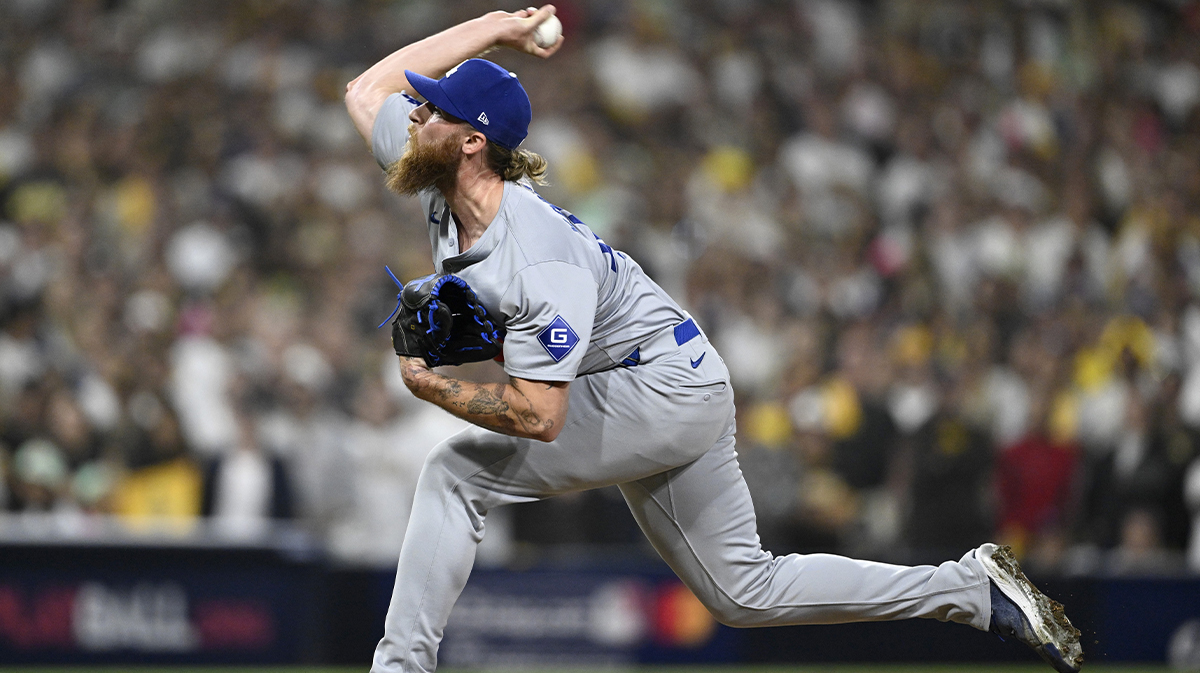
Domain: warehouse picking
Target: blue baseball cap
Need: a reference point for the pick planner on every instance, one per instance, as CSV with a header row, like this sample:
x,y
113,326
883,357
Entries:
x,y
488,97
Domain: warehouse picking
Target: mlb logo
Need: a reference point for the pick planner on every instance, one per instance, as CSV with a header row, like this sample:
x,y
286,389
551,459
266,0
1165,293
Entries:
x,y
558,338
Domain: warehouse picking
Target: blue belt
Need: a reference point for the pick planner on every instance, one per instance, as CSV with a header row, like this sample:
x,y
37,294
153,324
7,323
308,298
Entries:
x,y
684,332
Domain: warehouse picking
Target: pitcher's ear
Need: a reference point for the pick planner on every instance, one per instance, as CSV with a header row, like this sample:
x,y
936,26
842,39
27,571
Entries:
x,y
474,143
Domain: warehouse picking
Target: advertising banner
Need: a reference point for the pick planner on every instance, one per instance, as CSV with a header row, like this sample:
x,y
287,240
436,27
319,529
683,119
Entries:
x,y
547,618
116,605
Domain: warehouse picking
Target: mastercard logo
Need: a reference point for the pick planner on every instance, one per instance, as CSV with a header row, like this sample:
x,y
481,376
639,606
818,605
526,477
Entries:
x,y
680,619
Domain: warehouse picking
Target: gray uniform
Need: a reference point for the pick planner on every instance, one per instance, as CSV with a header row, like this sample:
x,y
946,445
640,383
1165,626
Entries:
x,y
650,409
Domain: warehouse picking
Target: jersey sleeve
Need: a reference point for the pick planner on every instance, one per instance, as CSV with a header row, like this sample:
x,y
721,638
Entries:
x,y
549,310
390,133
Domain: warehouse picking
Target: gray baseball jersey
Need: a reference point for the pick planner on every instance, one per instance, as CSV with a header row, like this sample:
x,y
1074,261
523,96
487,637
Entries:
x,y
650,409
571,304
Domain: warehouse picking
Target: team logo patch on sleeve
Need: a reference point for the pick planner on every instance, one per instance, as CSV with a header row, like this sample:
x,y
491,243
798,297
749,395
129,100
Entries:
x,y
558,338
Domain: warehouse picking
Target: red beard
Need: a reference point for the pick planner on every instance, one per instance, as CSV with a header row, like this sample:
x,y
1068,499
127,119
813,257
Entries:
x,y
429,165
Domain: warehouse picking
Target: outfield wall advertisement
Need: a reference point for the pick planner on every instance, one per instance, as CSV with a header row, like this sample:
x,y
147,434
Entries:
x,y
504,619
148,605
62,604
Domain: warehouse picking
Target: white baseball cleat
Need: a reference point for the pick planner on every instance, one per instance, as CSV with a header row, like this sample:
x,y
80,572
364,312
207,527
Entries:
x,y
1020,611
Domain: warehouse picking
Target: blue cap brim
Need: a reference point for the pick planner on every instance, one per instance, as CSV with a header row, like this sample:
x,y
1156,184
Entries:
x,y
432,92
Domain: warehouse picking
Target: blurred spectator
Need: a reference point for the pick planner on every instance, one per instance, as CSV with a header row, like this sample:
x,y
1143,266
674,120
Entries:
x,y
1179,446
1192,498
771,470
164,486
246,488
200,378
71,430
93,487
951,463
1034,478
864,433
39,476
387,442
5,476
307,431
1140,550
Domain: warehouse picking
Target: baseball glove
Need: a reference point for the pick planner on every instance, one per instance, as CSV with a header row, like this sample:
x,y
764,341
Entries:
x,y
440,319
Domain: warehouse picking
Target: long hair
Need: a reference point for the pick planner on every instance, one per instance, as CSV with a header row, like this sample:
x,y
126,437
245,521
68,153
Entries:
x,y
513,165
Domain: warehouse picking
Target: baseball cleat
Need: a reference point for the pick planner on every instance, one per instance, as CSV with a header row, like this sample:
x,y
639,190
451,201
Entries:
x,y
1020,611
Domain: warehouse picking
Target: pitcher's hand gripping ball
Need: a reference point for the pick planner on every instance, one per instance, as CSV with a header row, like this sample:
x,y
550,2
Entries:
x,y
440,319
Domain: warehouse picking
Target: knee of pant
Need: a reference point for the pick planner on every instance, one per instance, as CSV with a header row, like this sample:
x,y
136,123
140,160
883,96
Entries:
x,y
728,613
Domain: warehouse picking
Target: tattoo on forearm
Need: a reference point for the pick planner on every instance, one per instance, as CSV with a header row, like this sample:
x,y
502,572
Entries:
x,y
450,390
488,403
483,405
529,418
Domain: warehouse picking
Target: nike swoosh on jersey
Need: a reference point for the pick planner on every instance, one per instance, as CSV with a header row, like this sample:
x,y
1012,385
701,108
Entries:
x,y
697,361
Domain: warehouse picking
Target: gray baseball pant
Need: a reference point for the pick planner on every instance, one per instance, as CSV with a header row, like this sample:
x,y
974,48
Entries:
x,y
662,431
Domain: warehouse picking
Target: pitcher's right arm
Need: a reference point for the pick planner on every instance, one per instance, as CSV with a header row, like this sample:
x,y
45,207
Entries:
x,y
435,55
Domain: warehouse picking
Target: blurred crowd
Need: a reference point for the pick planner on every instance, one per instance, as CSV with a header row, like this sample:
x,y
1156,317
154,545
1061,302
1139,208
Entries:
x,y
950,252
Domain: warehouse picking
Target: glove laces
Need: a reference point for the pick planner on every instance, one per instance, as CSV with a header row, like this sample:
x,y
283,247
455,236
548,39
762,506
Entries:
x,y
399,296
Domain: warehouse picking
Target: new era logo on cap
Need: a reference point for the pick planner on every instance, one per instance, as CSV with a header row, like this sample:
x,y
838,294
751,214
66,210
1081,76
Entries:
x,y
483,118
558,338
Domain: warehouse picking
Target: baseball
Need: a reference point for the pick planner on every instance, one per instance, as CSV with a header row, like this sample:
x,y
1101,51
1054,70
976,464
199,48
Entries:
x,y
547,32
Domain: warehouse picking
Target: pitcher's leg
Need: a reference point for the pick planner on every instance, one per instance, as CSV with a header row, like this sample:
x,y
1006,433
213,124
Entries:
x,y
444,529
476,470
701,520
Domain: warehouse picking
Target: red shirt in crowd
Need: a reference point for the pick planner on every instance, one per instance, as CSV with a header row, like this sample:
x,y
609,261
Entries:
x,y
1034,482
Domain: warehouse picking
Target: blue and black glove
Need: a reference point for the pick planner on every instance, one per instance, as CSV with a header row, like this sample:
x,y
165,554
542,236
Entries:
x,y
440,319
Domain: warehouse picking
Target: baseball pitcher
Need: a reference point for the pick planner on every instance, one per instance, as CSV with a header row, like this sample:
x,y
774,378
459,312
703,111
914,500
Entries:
x,y
609,382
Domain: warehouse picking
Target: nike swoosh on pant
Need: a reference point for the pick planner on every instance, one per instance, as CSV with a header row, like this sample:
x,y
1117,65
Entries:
x,y
697,361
